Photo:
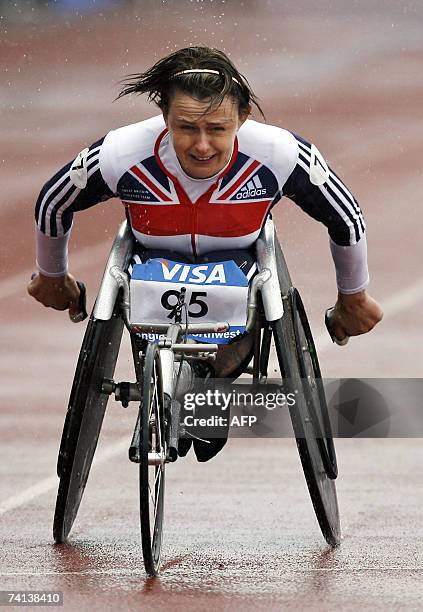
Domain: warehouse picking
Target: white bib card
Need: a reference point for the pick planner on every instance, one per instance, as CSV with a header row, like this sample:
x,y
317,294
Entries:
x,y
213,292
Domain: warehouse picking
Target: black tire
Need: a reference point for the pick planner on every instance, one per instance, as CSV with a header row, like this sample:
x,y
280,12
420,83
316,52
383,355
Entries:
x,y
84,418
152,477
307,408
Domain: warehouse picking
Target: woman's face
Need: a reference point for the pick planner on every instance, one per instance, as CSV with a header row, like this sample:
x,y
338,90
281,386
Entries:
x,y
203,141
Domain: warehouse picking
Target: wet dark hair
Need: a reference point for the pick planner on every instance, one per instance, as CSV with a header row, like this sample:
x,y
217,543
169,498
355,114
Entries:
x,y
160,82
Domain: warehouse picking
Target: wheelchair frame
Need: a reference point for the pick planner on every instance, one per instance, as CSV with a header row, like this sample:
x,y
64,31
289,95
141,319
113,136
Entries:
x,y
155,439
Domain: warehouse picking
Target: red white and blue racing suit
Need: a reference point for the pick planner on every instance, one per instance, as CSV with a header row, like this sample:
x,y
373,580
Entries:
x,y
169,210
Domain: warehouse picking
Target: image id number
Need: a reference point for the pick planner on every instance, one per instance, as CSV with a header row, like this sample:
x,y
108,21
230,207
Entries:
x,y
31,598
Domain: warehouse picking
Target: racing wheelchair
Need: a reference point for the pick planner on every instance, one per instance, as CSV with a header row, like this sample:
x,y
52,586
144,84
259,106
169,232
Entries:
x,y
277,318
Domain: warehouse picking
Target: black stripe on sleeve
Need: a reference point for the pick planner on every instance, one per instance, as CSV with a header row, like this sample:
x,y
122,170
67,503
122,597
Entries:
x,y
53,188
316,200
60,198
96,191
310,199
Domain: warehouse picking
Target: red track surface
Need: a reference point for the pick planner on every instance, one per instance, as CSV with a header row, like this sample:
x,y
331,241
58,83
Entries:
x,y
348,79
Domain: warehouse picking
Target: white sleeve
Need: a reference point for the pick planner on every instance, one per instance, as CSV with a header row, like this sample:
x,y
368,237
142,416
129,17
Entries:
x,y
350,262
77,186
51,253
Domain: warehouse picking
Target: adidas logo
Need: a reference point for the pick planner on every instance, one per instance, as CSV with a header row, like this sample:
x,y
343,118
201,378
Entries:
x,y
251,189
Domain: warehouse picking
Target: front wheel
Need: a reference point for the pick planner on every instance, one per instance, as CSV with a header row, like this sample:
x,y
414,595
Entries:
x,y
152,454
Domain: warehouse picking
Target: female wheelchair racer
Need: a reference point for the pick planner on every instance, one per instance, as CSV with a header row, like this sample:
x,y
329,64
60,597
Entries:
x,y
203,177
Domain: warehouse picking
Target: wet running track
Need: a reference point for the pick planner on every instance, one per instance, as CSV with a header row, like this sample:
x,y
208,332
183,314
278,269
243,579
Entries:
x,y
240,533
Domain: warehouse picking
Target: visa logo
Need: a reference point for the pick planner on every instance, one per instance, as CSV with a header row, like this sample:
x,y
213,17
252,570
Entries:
x,y
204,274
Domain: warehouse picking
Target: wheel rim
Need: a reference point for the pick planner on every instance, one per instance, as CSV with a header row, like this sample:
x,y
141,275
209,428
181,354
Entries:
x,y
87,405
314,391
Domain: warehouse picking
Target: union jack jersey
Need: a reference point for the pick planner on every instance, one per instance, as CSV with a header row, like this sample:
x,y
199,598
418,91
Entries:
x,y
169,210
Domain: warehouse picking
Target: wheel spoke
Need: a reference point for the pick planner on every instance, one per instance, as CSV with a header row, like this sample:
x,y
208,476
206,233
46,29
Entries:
x,y
153,395
158,476
158,427
151,494
157,489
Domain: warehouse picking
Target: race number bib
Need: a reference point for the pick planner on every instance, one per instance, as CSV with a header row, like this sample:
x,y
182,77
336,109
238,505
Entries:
x,y
213,292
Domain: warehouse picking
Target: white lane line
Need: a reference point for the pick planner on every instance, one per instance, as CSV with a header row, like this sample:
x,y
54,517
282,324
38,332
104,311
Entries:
x,y
304,570
392,306
44,486
80,261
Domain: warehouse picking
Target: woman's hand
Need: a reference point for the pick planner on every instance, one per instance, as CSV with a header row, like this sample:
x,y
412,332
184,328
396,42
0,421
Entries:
x,y
354,314
59,292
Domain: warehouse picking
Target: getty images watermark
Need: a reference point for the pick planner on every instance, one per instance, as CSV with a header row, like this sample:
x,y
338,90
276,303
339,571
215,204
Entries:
x,y
344,408
223,401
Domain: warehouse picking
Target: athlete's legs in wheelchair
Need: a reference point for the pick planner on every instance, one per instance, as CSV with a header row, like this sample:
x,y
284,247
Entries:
x,y
231,359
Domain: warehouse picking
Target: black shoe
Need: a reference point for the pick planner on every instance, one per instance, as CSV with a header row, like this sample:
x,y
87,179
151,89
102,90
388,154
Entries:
x,y
184,444
207,449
